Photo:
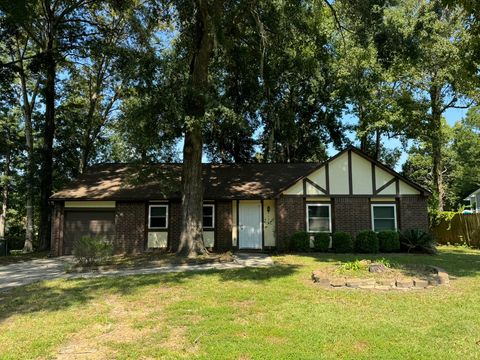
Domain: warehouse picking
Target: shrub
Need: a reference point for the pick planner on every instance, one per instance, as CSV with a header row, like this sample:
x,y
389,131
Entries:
x,y
300,241
321,242
389,241
342,242
366,242
418,241
89,251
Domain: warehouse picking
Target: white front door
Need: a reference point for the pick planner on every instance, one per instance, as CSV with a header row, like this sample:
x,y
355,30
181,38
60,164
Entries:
x,y
250,225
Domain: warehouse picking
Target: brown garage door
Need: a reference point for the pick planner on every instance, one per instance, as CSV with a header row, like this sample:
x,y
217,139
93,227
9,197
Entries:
x,y
99,224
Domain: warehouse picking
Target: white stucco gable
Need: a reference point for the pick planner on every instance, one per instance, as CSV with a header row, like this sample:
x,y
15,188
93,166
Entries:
x,y
351,172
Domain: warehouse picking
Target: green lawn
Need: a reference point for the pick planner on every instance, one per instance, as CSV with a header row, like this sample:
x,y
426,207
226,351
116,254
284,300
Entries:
x,y
274,313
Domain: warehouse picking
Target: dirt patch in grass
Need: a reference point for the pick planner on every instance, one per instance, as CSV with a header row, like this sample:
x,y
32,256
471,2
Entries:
x,y
360,346
126,324
85,345
123,262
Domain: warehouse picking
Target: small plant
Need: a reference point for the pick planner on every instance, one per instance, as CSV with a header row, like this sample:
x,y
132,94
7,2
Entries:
x,y
342,242
384,262
300,241
89,251
389,241
321,242
418,241
355,265
366,242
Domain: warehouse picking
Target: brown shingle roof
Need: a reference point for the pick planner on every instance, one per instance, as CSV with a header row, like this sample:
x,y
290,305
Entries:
x,y
163,181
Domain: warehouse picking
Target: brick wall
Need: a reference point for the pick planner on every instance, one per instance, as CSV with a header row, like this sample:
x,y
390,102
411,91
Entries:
x,y
290,212
223,225
351,214
174,225
130,225
57,229
413,213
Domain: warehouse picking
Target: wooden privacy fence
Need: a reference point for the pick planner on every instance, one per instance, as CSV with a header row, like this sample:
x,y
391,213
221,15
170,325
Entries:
x,y
462,229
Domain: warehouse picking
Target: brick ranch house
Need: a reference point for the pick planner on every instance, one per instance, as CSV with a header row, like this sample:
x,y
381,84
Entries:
x,y
246,206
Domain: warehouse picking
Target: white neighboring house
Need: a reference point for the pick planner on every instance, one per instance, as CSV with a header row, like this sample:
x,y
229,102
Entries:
x,y
474,199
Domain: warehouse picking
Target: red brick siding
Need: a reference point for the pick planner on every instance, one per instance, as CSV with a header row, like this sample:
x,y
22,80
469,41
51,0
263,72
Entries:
x,y
57,229
351,214
223,225
413,213
290,212
130,225
174,225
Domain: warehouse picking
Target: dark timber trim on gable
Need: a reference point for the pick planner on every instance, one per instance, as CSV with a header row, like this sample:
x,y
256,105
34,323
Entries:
x,y
384,186
315,185
391,171
375,163
374,179
350,175
327,178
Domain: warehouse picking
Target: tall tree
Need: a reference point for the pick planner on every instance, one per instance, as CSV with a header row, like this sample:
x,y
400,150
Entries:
x,y
466,147
301,103
200,32
419,164
435,75
47,24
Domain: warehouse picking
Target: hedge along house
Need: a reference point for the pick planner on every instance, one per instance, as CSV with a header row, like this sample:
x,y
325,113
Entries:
x,y
246,206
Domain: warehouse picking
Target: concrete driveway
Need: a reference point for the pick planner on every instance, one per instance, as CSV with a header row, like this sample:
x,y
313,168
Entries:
x,y
27,272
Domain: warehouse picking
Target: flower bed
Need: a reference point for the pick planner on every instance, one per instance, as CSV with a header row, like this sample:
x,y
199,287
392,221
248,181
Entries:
x,y
381,275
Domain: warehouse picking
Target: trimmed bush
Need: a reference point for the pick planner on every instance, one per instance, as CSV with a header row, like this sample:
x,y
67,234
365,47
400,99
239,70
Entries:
x,y
300,241
418,241
342,242
389,241
366,242
321,242
90,251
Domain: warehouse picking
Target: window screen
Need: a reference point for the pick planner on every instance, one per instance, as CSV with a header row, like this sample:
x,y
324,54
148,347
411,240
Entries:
x,y
318,218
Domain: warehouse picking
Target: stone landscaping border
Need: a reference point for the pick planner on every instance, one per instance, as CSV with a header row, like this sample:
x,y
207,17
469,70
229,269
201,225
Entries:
x,y
440,277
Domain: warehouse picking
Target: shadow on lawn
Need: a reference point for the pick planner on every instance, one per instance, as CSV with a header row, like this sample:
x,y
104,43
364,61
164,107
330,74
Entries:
x,y
459,263
50,297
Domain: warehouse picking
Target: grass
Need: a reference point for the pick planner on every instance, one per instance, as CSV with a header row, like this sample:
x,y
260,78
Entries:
x,y
273,313
20,257
157,259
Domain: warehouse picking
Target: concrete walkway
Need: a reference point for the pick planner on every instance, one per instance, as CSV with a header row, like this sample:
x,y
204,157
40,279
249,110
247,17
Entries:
x,y
27,272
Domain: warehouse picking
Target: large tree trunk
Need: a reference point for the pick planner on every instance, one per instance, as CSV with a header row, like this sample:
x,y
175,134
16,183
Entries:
x,y
191,238
3,213
378,138
28,245
48,135
27,115
362,125
436,142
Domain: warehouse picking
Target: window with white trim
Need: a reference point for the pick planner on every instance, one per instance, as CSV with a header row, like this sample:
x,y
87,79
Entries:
x,y
208,216
158,216
319,218
384,217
